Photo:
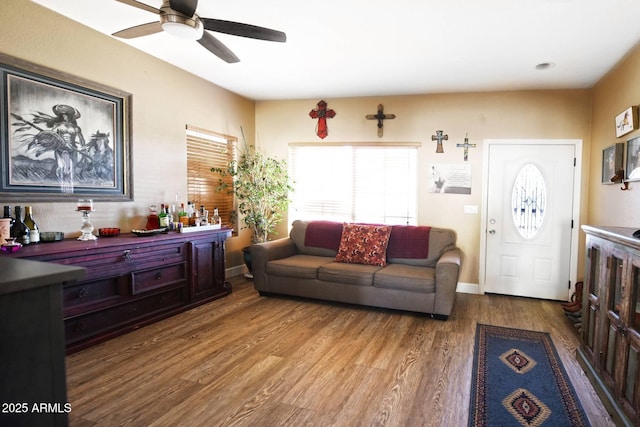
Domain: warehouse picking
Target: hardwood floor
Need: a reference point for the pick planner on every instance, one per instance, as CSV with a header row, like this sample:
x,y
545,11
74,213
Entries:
x,y
248,360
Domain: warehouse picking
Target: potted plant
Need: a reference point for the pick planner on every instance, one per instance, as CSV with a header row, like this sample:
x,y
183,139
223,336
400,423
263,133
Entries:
x,y
261,187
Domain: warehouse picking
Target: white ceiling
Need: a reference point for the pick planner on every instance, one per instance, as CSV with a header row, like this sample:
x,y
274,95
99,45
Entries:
x,y
380,47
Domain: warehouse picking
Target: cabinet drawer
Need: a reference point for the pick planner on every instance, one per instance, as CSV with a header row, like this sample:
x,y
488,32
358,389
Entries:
x,y
105,291
147,280
123,259
123,315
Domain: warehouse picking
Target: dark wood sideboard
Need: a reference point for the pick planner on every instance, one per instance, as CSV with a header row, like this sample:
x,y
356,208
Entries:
x,y
132,281
610,349
33,390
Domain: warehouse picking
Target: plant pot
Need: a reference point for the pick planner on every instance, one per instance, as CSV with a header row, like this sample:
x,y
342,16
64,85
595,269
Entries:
x,y
246,254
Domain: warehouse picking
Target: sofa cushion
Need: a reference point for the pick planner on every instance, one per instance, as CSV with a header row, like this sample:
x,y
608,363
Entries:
x,y
323,234
440,240
352,274
298,234
301,266
409,241
364,244
407,277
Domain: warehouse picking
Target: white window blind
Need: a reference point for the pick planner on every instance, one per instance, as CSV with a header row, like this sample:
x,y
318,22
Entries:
x,y
205,150
354,182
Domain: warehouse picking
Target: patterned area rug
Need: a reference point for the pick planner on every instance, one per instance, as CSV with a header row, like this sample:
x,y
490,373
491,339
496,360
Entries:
x,y
518,379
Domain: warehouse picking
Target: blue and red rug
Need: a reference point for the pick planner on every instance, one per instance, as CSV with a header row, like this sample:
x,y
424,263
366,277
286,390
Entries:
x,y
518,379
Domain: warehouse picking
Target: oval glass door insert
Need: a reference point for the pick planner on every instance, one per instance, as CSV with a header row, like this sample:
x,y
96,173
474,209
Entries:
x,y
529,201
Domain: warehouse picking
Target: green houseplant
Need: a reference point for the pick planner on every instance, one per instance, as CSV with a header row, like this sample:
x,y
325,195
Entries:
x,y
261,187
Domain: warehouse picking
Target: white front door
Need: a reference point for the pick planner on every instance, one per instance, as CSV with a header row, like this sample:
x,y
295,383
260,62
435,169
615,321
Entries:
x,y
529,211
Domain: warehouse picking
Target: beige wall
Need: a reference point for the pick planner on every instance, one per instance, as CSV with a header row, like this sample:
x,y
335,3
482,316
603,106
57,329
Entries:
x,y
35,34
504,115
617,91
165,99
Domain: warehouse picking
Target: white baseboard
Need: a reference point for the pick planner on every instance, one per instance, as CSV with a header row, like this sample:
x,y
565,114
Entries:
x,y
238,270
468,288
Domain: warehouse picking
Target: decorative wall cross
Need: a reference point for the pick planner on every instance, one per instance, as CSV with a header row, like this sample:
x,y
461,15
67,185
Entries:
x,y
466,146
322,114
380,116
439,137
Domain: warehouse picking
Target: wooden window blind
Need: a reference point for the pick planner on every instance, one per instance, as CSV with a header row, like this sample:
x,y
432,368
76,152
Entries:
x,y
372,183
205,150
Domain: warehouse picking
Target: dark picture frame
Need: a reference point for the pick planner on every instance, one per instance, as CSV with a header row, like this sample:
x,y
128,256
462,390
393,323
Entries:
x,y
632,171
612,157
62,137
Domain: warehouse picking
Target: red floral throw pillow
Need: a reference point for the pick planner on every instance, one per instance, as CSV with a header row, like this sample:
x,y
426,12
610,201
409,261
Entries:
x,y
364,244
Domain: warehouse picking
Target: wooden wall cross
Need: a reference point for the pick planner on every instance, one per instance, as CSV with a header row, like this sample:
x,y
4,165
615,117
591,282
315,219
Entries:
x,y
466,146
380,116
439,137
322,114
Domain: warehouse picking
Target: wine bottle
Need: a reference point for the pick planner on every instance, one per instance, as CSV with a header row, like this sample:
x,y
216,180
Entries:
x,y
20,231
34,232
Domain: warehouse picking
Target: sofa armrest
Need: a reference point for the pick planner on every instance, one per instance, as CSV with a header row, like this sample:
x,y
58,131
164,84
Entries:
x,y
447,273
268,251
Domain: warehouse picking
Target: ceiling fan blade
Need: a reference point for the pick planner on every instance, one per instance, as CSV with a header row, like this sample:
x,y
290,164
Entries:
x,y
243,30
141,5
216,47
186,7
139,30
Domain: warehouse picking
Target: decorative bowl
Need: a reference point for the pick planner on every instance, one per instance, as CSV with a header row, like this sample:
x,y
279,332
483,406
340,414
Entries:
x,y
51,236
108,232
11,246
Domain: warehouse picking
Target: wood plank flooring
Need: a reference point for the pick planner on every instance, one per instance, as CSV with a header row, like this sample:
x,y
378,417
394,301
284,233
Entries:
x,y
247,360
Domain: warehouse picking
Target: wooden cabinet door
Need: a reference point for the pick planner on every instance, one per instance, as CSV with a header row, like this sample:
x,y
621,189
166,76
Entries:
x,y
591,299
628,378
207,267
613,330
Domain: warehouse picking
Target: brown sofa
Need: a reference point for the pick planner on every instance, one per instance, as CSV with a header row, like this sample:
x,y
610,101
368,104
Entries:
x,y
420,275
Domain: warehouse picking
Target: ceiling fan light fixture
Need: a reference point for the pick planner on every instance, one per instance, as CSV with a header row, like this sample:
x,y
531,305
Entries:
x,y
182,27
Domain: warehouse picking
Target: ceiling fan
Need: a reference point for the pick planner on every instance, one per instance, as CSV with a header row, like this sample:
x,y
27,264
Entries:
x,y
178,17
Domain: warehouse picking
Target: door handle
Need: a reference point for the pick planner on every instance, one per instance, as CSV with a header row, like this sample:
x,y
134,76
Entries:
x,y
492,231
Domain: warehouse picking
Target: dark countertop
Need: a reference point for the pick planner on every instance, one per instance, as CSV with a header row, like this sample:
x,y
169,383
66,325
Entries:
x,y
20,275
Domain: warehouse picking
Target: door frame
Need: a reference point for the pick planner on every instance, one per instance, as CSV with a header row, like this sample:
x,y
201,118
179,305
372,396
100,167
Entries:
x,y
577,179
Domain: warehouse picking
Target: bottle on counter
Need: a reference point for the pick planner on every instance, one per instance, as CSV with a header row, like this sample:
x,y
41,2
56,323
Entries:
x,y
163,217
183,216
172,224
215,219
34,231
6,224
20,231
153,222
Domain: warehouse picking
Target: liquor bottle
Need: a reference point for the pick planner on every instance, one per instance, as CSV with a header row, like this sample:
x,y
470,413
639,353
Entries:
x,y
204,216
216,220
153,222
163,218
6,224
172,224
20,231
183,216
7,214
34,232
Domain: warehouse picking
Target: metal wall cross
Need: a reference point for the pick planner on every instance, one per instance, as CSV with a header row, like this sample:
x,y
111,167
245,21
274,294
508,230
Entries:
x,y
439,137
466,146
380,116
322,114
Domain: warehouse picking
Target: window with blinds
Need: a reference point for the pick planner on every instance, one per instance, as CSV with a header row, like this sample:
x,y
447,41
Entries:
x,y
206,150
354,182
